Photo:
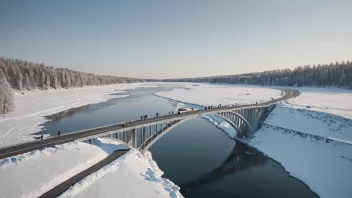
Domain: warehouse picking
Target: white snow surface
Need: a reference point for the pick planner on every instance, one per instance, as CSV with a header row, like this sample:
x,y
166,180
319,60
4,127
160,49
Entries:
x,y
31,174
208,94
333,101
31,107
311,135
133,175
34,173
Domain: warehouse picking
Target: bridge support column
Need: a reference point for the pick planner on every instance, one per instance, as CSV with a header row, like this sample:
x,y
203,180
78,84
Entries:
x,y
134,138
143,135
129,137
156,128
91,141
150,130
124,138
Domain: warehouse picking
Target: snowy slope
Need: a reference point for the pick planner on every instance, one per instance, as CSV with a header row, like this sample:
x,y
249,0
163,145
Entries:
x,y
34,173
133,176
311,122
326,167
313,144
31,107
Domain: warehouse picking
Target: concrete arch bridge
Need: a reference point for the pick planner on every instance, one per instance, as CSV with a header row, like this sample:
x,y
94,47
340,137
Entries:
x,y
142,134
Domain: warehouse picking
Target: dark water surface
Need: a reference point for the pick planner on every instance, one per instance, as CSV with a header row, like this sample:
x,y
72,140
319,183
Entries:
x,y
196,155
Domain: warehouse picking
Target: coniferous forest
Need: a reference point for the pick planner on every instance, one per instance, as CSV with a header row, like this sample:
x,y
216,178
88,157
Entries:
x,y
337,74
23,75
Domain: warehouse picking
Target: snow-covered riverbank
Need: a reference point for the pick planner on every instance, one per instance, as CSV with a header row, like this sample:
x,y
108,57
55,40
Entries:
x,y
31,107
309,135
132,175
34,173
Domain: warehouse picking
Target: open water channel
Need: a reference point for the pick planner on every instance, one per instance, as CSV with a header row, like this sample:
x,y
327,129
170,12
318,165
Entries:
x,y
195,155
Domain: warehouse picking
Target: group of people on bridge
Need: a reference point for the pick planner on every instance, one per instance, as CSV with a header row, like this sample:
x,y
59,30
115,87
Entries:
x,y
42,136
157,115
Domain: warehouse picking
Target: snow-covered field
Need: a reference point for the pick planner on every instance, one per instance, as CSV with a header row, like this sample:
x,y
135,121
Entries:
x,y
313,143
132,175
208,94
31,107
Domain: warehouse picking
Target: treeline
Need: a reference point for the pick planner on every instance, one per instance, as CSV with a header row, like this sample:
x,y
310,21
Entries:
x,y
24,75
337,74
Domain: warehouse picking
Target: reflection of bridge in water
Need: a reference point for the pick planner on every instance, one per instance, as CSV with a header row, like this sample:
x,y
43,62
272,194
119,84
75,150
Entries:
x,y
240,158
142,134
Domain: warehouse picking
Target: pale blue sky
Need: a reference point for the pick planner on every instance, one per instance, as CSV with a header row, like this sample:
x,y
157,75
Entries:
x,y
179,38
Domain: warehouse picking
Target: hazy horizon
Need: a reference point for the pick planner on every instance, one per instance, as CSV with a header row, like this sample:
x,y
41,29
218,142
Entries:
x,y
176,39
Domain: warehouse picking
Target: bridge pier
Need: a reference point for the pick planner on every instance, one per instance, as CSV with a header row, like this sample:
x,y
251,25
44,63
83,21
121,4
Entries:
x,y
130,138
150,130
124,138
91,141
143,135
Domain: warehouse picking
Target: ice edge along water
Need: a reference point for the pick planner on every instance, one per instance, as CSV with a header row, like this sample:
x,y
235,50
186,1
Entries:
x,y
81,156
316,150
31,108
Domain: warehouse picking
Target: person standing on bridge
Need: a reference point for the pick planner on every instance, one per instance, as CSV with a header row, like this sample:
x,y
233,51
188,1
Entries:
x,y
157,114
58,133
42,139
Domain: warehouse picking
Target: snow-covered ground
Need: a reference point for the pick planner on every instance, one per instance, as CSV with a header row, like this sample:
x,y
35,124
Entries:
x,y
136,176
132,175
31,107
208,94
313,143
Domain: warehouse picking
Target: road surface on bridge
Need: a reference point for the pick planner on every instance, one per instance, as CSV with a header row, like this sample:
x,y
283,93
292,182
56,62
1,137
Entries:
x,y
73,136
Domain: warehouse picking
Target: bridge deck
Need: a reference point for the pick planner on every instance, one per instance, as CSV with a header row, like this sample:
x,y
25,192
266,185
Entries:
x,y
84,134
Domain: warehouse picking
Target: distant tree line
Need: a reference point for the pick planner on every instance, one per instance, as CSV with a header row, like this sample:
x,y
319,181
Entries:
x,y
23,75
337,74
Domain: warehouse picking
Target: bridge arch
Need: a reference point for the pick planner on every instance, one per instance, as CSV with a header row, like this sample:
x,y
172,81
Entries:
x,y
240,116
150,141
